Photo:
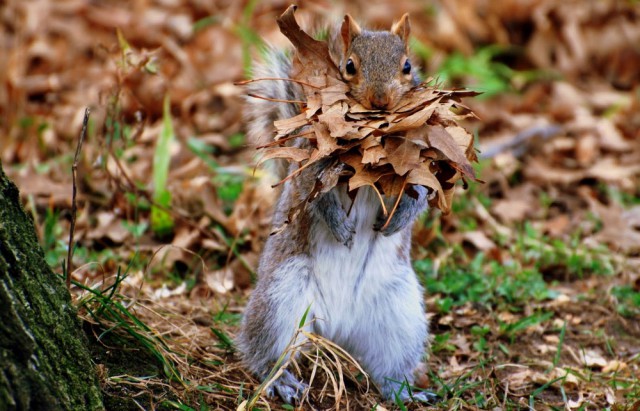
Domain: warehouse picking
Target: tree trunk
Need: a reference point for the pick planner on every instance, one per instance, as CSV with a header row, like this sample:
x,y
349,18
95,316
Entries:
x,y
44,360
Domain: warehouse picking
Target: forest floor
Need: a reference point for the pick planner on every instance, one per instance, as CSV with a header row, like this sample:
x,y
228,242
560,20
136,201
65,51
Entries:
x,y
532,281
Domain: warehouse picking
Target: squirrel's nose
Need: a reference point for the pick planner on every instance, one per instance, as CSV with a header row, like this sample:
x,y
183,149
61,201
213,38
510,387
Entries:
x,y
379,101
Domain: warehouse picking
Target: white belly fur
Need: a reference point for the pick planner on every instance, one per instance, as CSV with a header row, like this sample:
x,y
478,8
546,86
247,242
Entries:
x,y
362,272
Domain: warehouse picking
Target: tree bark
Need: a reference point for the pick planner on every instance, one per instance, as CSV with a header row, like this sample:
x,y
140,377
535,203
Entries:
x,y
44,359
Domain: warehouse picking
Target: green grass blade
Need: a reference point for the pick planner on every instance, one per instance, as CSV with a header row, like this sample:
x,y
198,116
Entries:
x,y
225,341
161,221
556,358
303,320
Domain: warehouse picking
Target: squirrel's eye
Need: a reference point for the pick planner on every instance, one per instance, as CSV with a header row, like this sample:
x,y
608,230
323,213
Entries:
x,y
350,67
407,67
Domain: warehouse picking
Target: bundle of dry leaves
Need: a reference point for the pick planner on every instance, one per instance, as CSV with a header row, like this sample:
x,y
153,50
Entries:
x,y
418,142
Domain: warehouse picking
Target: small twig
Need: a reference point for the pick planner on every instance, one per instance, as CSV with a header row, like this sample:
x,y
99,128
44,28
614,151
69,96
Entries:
x,y
283,140
276,100
293,174
74,206
395,205
245,82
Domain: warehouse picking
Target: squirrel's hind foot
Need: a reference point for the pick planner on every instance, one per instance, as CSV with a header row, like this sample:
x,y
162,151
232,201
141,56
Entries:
x,y
288,388
404,394
427,397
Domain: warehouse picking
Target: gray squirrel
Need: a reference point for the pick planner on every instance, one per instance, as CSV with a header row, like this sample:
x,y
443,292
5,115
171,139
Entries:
x,y
337,258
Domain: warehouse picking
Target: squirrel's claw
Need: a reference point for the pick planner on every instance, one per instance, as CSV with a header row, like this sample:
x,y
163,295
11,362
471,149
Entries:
x,y
349,241
380,222
344,233
427,397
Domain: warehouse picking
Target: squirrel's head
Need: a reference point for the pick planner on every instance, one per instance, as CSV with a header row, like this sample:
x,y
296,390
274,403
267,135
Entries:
x,y
375,64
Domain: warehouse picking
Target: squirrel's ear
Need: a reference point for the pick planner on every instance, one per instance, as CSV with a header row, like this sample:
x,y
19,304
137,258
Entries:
x,y
348,31
402,28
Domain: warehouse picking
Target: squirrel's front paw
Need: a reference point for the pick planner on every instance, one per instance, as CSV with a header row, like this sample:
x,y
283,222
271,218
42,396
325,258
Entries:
x,y
335,217
344,232
407,211
396,224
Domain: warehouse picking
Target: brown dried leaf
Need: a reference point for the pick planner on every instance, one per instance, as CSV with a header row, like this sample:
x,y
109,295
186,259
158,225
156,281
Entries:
x,y
415,120
510,210
392,185
363,175
463,139
424,177
402,154
326,144
333,117
332,94
289,153
370,142
314,104
479,240
373,154
440,139
290,125
620,227
312,56
426,95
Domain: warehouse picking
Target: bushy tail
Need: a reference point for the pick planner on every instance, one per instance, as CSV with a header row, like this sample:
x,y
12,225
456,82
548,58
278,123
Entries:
x,y
260,114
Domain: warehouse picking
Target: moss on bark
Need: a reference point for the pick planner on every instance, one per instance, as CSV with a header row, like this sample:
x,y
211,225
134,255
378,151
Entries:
x,y
44,360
